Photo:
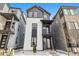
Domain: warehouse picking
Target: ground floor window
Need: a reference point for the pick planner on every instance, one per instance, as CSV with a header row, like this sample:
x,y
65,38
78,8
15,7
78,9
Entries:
x,y
34,34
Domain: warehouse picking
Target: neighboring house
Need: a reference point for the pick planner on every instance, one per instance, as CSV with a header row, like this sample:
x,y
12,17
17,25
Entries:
x,y
4,7
12,29
65,28
38,29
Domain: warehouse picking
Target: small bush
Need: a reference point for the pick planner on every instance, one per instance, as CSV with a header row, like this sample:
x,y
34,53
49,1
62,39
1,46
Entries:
x,y
1,52
9,52
34,47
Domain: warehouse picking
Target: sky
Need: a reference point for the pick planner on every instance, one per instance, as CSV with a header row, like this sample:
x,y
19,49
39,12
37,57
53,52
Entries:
x,y
50,7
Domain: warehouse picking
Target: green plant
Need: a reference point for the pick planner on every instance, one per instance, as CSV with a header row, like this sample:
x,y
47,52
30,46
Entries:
x,y
9,52
34,47
1,52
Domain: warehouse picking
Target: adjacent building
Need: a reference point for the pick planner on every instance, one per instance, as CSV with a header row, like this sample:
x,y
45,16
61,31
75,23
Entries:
x,y
65,29
12,27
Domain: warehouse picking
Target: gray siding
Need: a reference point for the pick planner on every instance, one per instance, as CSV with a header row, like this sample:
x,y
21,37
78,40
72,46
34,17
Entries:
x,y
58,37
39,13
1,6
48,16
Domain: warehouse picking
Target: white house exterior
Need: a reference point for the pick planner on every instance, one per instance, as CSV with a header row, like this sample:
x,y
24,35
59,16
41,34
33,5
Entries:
x,y
18,40
27,42
34,28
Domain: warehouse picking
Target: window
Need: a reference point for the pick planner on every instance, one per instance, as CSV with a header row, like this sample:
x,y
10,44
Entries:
x,y
30,14
65,11
33,14
72,12
34,34
71,25
7,26
69,11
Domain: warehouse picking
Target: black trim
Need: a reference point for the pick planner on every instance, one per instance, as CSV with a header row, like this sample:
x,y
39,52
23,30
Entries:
x,y
46,21
32,38
18,48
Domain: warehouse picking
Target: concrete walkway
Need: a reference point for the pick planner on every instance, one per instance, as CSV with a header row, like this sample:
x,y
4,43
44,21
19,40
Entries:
x,y
43,53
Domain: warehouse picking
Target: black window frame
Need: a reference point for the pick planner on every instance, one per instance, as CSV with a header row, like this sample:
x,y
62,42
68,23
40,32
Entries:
x,y
32,38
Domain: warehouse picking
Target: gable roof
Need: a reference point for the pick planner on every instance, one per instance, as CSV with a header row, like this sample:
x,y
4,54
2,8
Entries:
x,y
40,8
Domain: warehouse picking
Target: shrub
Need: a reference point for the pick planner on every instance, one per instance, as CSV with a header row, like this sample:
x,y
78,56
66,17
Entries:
x,y
9,52
34,47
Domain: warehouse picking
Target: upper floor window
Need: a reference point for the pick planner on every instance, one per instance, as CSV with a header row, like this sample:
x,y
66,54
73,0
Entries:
x,y
7,26
45,17
73,25
33,14
69,11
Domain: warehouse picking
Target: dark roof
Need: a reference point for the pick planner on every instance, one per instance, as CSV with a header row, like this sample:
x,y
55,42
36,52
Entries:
x,y
40,8
44,10
47,21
